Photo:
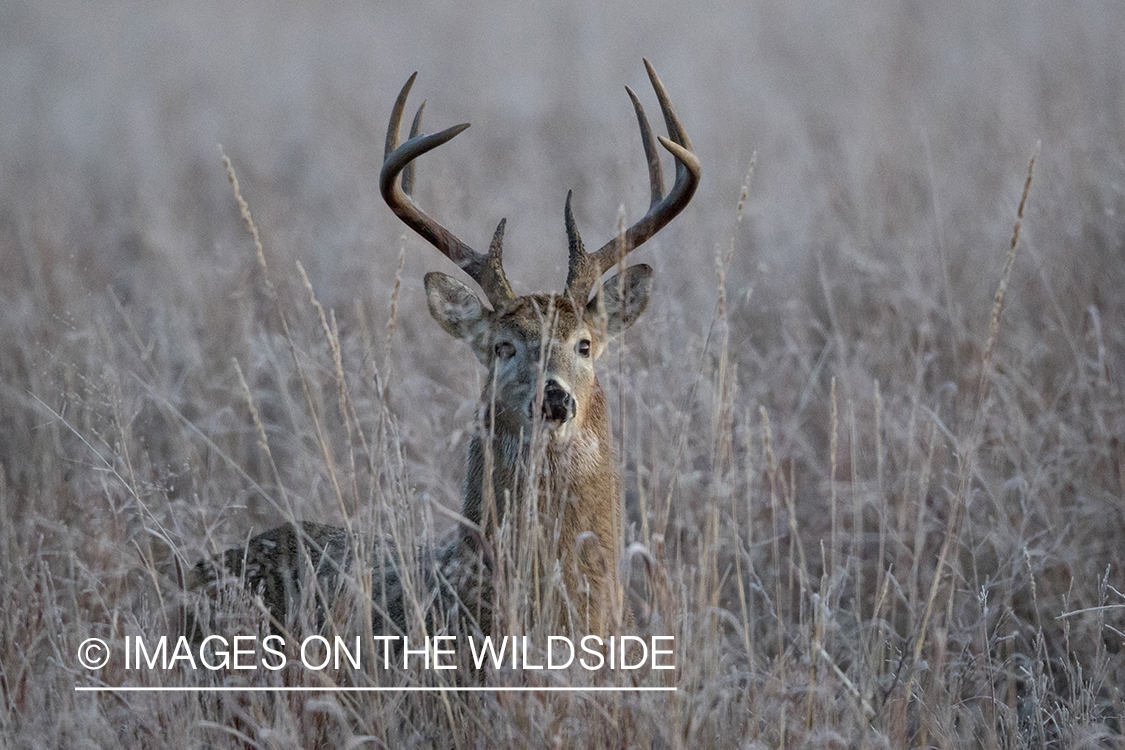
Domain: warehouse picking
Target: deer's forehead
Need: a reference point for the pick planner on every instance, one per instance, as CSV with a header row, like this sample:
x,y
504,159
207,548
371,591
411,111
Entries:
x,y
538,315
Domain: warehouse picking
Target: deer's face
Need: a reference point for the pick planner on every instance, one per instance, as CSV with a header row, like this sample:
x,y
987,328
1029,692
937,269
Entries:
x,y
540,349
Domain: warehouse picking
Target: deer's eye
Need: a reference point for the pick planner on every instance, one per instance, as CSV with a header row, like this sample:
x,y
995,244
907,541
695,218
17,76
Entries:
x,y
584,348
505,350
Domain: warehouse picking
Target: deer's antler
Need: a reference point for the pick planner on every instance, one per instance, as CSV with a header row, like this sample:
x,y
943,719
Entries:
x,y
586,268
486,270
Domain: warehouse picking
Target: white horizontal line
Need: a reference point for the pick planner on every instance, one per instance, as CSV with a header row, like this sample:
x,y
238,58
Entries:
x,y
404,689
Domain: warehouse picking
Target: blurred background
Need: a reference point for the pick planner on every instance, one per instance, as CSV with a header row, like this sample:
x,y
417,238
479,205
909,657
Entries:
x,y
883,129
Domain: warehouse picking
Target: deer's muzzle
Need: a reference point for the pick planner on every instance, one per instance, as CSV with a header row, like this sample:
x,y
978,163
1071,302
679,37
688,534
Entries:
x,y
558,405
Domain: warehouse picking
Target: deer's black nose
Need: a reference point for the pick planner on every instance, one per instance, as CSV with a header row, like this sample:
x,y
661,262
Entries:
x,y
558,405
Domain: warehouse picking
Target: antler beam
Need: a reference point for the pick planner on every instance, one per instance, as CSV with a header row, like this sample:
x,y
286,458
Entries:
x,y
586,268
486,270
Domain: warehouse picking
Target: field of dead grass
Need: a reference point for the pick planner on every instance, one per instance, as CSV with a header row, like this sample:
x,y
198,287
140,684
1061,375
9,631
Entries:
x,y
876,505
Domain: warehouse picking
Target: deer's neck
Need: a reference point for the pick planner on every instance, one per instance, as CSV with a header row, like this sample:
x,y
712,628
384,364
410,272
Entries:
x,y
573,482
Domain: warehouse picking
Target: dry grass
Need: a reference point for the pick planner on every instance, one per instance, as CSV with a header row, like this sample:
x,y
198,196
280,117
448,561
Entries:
x,y
872,510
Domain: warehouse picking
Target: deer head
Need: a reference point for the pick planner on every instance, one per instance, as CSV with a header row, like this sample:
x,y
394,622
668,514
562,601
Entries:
x,y
539,349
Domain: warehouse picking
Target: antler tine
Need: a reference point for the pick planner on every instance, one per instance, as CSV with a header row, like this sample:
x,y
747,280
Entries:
x,y
578,257
586,268
486,270
652,156
408,171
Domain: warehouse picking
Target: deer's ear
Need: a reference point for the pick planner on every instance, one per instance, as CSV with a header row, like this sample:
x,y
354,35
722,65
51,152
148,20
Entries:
x,y
623,297
455,306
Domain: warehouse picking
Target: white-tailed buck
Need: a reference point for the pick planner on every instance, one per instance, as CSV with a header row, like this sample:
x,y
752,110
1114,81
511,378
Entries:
x,y
542,445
